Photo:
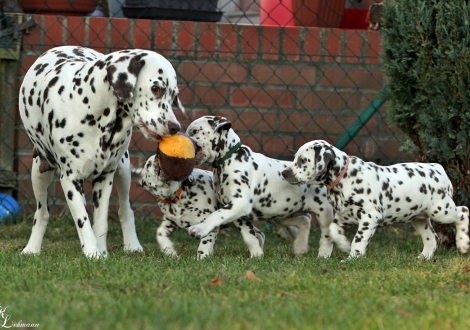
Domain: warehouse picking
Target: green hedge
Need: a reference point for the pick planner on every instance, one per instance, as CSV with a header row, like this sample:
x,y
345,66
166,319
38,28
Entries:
x,y
426,54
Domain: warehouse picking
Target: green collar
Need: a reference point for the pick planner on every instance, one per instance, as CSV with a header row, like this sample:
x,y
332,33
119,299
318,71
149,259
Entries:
x,y
219,162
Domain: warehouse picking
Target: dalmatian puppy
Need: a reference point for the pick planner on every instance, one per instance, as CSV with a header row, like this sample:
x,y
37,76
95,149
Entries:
x,y
371,196
187,203
250,187
78,107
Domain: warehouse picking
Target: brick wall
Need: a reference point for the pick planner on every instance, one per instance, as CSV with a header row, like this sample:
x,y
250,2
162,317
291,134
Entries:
x,y
280,86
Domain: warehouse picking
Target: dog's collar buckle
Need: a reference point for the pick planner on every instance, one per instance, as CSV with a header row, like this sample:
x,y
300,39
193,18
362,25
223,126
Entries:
x,y
219,162
340,176
174,200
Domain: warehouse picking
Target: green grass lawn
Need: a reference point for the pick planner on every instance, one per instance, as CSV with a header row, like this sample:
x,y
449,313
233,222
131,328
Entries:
x,y
389,289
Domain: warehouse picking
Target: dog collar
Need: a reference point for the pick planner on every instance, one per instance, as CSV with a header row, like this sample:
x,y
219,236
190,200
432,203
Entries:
x,y
174,200
340,176
219,162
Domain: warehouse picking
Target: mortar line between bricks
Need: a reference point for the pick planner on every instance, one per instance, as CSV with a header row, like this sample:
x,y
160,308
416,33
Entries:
x,y
217,40
108,35
42,36
65,24
131,33
86,37
152,35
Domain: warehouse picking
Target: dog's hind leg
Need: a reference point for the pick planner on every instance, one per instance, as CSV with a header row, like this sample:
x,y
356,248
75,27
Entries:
x,y
252,236
102,187
302,223
424,228
40,182
122,178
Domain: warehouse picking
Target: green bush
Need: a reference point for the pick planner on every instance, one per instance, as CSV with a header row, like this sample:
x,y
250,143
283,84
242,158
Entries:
x,y
426,54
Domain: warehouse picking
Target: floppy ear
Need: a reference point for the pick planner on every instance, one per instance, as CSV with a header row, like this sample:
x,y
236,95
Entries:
x,y
323,162
177,104
221,123
122,75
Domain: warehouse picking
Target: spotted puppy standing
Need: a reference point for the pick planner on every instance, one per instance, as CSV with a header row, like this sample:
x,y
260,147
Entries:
x,y
188,203
78,107
250,187
370,195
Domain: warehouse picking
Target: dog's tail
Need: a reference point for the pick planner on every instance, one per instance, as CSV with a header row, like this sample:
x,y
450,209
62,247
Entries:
x,y
136,174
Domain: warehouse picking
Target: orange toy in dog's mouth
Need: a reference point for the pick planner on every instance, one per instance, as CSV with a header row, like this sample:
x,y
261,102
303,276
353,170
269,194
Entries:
x,y
177,156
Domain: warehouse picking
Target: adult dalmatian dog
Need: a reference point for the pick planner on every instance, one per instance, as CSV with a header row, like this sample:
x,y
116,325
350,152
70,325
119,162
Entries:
x,y
78,107
370,195
250,187
186,203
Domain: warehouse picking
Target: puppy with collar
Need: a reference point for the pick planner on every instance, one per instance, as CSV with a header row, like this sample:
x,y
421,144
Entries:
x,y
189,202
371,196
250,187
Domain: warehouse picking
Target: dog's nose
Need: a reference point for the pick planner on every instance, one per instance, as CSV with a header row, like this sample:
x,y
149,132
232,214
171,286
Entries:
x,y
284,173
173,127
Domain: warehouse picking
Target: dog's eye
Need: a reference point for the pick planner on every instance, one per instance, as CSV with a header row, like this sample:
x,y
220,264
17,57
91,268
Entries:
x,y
303,160
194,131
156,90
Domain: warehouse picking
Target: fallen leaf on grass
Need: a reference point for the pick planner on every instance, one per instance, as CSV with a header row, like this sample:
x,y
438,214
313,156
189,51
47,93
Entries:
x,y
466,269
460,285
216,282
181,250
403,312
251,276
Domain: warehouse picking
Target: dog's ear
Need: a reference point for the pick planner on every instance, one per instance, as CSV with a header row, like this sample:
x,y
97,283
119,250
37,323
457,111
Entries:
x,y
220,123
177,104
324,158
122,75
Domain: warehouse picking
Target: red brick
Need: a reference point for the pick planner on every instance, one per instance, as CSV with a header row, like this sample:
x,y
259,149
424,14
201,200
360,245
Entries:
x,y
185,42
249,37
291,43
333,101
53,26
186,95
312,45
140,143
319,123
255,121
139,194
332,45
32,40
151,211
141,33
75,35
354,78
277,146
120,38
373,47
261,98
26,62
164,37
284,74
196,113
215,72
370,128
23,164
251,140
228,40
353,49
212,96
22,140
25,190
98,32
270,48
207,41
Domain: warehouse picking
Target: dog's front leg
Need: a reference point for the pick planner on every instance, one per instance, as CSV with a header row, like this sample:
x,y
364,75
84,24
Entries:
x,y
365,231
228,213
252,237
41,182
102,187
206,247
73,189
164,231
122,178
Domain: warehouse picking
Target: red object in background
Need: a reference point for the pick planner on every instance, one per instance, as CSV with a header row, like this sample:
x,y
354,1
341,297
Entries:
x,y
276,12
354,19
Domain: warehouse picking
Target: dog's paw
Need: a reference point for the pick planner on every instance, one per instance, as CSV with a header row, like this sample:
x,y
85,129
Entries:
x,y
133,248
30,252
199,230
94,253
